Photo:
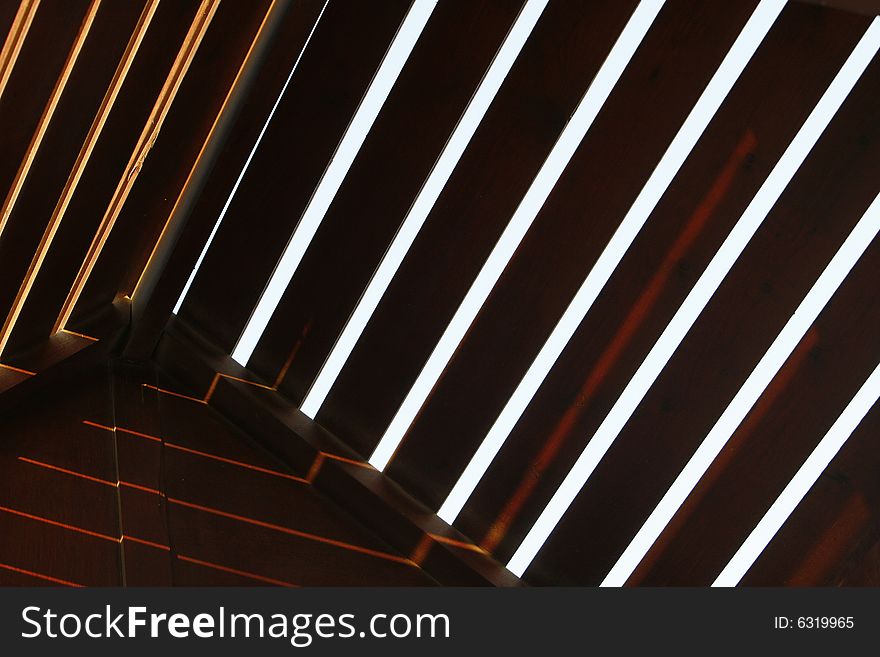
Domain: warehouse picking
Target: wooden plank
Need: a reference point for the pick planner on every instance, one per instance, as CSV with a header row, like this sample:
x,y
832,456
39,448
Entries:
x,y
395,160
31,80
820,378
53,468
659,87
274,554
361,491
63,359
193,572
261,496
203,206
62,554
516,135
63,525
336,68
178,145
713,188
92,195
8,12
175,253
776,270
140,470
81,86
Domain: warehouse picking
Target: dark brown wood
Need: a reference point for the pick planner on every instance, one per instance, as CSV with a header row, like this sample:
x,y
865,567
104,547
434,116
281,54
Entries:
x,y
410,526
272,422
193,362
336,68
200,212
156,292
282,557
95,190
68,557
148,204
830,538
37,68
77,106
307,449
7,15
783,259
630,134
64,357
516,136
139,469
686,229
64,523
867,7
821,377
135,452
396,158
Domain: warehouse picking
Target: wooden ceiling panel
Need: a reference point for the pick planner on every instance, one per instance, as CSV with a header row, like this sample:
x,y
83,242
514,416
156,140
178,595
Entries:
x,y
516,135
725,170
820,378
34,214
43,52
165,171
630,134
131,127
393,163
336,68
783,259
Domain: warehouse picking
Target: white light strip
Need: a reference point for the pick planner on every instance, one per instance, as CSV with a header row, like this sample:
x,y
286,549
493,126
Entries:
x,y
355,134
817,298
421,207
522,218
803,480
698,297
244,169
693,127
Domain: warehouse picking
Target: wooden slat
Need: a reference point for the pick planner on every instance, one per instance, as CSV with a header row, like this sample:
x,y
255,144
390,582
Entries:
x,y
60,553
294,29
30,83
38,448
640,118
308,450
62,359
516,135
146,140
155,295
16,19
830,538
190,572
18,330
720,178
261,496
286,557
820,378
336,68
164,172
407,138
784,258
52,522
79,91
